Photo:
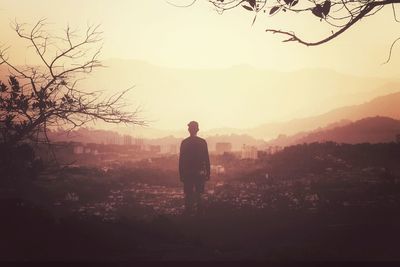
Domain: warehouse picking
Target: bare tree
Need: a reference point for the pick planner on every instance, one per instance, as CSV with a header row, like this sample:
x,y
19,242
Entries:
x,y
38,97
341,15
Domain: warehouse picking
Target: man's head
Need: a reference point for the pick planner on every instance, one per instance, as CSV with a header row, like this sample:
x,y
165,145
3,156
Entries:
x,y
193,128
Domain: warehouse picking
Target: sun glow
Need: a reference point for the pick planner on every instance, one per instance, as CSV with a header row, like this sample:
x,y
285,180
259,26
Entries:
x,y
192,63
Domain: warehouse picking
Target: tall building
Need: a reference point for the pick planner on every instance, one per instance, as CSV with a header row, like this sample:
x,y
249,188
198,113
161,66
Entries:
x,y
139,142
222,147
249,152
113,140
127,140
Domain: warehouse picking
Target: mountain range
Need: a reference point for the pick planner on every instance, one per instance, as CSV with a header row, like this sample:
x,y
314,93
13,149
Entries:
x,y
387,106
368,130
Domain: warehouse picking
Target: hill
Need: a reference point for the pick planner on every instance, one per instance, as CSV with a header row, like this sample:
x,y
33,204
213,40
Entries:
x,y
386,106
368,130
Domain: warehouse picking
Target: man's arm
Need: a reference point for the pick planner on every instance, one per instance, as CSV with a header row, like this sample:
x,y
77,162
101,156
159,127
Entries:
x,y
207,161
181,155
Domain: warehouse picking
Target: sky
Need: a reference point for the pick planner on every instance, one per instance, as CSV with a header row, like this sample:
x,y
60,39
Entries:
x,y
198,37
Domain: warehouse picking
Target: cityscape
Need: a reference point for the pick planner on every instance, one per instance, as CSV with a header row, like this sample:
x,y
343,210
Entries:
x,y
186,131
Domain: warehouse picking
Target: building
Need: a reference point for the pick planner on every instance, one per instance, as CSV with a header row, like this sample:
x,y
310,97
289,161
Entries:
x,y
169,149
155,148
222,147
273,149
127,140
78,149
135,148
249,152
113,140
139,142
173,149
217,169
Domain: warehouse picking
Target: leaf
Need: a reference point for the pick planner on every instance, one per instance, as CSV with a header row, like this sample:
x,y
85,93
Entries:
x,y
291,3
288,2
252,3
24,105
247,7
274,10
3,87
326,7
322,11
318,11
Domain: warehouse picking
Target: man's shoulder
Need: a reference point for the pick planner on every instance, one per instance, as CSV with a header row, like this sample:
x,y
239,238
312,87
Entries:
x,y
203,140
200,140
187,139
193,139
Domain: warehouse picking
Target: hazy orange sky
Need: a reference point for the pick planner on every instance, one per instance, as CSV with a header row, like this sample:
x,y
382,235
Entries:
x,y
198,37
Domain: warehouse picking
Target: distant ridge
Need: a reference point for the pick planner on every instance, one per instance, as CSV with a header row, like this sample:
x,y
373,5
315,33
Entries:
x,y
386,106
368,130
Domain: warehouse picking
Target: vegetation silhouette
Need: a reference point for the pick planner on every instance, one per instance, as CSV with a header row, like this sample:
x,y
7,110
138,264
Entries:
x,y
39,97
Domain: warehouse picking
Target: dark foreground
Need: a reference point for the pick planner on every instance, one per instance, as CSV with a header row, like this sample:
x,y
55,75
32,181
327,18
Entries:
x,y
331,203
29,233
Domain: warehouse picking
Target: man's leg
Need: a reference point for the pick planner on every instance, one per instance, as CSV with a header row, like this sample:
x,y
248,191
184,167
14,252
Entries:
x,y
199,190
189,202
189,196
197,200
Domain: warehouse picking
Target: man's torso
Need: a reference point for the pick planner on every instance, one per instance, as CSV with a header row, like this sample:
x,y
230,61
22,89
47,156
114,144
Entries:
x,y
193,157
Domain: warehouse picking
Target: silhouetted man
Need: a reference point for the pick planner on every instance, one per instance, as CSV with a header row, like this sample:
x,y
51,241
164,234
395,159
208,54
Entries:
x,y
194,167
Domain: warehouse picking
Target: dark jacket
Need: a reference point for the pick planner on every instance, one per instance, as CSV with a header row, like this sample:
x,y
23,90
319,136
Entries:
x,y
193,158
